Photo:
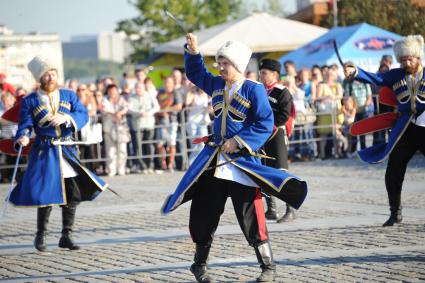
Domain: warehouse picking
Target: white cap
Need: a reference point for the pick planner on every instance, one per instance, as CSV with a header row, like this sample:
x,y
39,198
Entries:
x,y
38,66
411,45
237,53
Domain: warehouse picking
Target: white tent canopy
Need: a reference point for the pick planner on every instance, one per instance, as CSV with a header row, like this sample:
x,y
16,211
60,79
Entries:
x,y
260,31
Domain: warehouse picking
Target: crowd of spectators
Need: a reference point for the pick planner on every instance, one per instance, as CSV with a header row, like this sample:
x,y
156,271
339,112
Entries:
x,y
141,126
136,128
326,105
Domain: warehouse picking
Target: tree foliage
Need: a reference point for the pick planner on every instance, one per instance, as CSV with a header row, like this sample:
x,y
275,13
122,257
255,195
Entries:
x,y
275,7
153,26
402,16
272,7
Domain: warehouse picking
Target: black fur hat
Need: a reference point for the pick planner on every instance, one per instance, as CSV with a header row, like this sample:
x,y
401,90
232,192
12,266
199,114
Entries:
x,y
270,64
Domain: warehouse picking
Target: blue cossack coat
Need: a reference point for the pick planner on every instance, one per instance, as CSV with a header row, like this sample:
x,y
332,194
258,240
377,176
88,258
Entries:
x,y
42,184
248,118
410,103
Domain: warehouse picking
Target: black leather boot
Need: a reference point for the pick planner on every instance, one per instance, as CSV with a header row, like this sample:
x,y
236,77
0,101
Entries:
x,y
265,259
289,215
68,217
199,267
271,213
395,208
43,214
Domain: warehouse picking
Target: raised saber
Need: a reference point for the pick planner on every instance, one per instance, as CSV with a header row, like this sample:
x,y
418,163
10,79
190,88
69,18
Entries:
x,y
337,53
179,23
12,184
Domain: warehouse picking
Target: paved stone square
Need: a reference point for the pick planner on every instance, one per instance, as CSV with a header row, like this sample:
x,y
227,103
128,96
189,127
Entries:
x,y
337,236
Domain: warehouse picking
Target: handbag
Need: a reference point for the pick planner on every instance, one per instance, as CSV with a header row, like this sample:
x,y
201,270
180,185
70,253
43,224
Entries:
x,y
305,118
92,133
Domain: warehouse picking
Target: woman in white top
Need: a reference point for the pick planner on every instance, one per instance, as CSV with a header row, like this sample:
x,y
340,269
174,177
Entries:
x,y
142,106
116,132
198,118
88,101
297,150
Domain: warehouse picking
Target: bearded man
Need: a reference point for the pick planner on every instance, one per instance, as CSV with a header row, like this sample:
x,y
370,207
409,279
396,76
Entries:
x,y
408,133
54,175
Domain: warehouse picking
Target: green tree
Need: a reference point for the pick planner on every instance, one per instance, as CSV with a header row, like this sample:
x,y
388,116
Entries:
x,y
272,7
402,16
275,7
153,26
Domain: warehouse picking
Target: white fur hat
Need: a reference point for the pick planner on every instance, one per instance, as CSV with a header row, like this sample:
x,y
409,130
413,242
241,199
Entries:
x,y
411,45
237,53
38,66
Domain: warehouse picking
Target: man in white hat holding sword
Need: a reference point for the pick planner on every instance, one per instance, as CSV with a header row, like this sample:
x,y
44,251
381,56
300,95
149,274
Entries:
x,y
54,175
408,132
229,165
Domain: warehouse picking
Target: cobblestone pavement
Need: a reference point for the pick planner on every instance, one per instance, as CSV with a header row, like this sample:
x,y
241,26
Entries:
x,y
337,236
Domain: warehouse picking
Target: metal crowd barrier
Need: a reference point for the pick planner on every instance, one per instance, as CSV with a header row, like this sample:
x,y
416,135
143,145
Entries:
x,y
183,139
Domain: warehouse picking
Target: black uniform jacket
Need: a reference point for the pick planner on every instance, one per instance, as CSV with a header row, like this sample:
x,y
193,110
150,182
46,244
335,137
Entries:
x,y
281,101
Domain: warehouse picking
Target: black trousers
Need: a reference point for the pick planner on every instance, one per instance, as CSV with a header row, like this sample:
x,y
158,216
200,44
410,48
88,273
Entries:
x,y
412,140
72,191
277,148
359,116
208,202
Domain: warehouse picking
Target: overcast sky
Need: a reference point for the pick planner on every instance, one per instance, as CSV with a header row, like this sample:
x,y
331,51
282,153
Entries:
x,y
68,17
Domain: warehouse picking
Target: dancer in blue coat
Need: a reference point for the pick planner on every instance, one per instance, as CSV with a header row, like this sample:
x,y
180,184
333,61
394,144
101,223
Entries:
x,y
408,133
54,175
243,121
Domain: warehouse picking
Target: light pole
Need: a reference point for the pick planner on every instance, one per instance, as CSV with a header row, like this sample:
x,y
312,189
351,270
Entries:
x,y
335,10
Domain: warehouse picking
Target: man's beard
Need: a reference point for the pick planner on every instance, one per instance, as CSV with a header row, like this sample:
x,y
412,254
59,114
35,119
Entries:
x,y
412,69
49,87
